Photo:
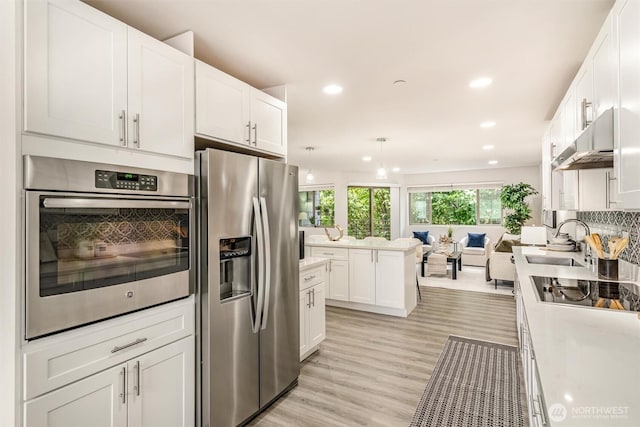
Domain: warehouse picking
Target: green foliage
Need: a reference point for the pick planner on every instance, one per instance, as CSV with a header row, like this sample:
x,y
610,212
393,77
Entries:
x,y
326,208
365,221
453,207
512,197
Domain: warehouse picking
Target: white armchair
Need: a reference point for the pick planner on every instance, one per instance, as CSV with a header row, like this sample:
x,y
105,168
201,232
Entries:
x,y
475,256
431,246
501,267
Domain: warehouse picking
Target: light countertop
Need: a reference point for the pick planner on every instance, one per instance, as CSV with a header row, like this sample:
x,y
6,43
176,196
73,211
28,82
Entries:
x,y
588,358
361,244
312,261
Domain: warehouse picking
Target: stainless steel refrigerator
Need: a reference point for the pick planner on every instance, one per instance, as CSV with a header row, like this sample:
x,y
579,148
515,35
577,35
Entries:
x,y
248,286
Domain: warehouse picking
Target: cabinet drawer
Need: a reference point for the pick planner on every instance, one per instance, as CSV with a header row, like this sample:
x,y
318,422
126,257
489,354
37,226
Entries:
x,y
58,360
333,253
312,276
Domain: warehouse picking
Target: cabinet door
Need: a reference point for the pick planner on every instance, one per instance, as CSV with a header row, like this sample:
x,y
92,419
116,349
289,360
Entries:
x,y
604,71
595,187
161,91
627,137
161,386
304,322
95,401
390,279
569,199
339,279
570,118
75,72
584,98
222,105
545,171
317,331
269,123
362,276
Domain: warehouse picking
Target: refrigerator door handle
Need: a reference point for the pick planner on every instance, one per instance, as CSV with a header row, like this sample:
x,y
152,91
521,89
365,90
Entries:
x,y
257,321
267,262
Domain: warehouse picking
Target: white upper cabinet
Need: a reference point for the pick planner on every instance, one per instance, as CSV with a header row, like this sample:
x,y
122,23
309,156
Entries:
x,y
569,119
230,111
584,98
627,119
91,78
161,92
604,66
268,122
75,72
222,105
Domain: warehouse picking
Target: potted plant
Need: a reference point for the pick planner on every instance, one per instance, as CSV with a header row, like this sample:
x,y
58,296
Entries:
x,y
513,198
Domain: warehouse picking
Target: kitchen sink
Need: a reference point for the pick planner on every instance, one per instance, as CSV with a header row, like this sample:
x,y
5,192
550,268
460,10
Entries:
x,y
550,260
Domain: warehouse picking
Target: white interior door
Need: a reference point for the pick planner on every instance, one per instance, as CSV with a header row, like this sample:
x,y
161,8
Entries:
x,y
161,92
75,71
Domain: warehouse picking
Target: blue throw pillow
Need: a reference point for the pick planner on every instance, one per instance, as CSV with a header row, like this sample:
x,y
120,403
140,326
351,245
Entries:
x,y
423,236
476,240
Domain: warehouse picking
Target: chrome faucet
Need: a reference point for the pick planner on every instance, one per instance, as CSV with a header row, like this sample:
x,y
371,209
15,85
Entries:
x,y
587,230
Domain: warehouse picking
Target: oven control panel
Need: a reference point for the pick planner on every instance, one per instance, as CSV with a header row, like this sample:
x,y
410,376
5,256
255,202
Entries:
x,y
126,181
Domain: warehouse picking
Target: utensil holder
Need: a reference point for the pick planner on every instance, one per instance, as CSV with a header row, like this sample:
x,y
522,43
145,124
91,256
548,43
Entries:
x,y
608,269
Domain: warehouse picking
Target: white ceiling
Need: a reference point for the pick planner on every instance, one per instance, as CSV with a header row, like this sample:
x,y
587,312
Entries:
x,y
531,49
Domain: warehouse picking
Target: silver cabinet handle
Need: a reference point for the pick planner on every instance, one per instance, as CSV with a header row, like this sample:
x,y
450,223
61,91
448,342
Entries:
x,y
377,257
123,384
306,279
123,128
327,253
585,104
255,134
248,125
313,294
136,128
309,299
122,347
136,386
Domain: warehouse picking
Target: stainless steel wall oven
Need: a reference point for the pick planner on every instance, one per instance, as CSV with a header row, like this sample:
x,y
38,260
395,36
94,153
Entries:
x,y
103,240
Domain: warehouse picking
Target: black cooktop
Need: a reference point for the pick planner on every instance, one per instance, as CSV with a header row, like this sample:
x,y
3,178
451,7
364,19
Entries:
x,y
623,296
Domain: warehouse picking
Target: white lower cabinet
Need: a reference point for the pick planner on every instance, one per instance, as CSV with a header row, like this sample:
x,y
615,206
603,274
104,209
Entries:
x,y
94,401
155,389
312,310
535,399
362,275
136,370
337,281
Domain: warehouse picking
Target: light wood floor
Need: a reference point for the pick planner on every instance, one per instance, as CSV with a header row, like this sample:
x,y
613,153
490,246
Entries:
x,y
372,369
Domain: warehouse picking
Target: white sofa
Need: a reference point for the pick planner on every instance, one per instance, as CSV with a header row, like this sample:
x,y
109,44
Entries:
x,y
475,256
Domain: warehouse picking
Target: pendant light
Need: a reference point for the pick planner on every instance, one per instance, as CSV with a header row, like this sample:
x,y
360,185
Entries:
x,y
310,176
381,173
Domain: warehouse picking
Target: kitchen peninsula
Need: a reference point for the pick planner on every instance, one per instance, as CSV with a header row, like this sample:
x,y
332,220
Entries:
x,y
378,277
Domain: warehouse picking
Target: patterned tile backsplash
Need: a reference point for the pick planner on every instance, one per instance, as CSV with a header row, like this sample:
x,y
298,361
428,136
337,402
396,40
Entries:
x,y
615,223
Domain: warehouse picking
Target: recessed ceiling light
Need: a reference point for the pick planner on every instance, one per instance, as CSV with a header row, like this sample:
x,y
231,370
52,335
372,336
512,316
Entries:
x,y
488,147
487,124
400,82
493,162
332,89
366,158
395,169
480,82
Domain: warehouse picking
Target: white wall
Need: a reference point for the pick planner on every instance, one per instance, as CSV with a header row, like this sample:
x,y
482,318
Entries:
x,y
529,175
340,181
8,216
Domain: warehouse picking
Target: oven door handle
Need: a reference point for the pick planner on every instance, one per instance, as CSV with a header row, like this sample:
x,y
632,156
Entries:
x,y
109,203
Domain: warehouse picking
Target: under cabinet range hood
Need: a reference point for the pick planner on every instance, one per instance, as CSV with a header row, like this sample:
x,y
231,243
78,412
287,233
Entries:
x,y
593,149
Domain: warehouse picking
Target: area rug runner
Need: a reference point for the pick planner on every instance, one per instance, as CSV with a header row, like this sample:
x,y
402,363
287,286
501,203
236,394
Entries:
x,y
474,384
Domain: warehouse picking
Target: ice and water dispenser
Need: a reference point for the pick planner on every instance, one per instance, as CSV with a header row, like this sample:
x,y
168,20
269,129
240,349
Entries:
x,y
235,267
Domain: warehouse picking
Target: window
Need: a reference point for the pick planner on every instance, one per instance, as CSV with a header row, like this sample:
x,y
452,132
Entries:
x,y
369,212
456,207
317,208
